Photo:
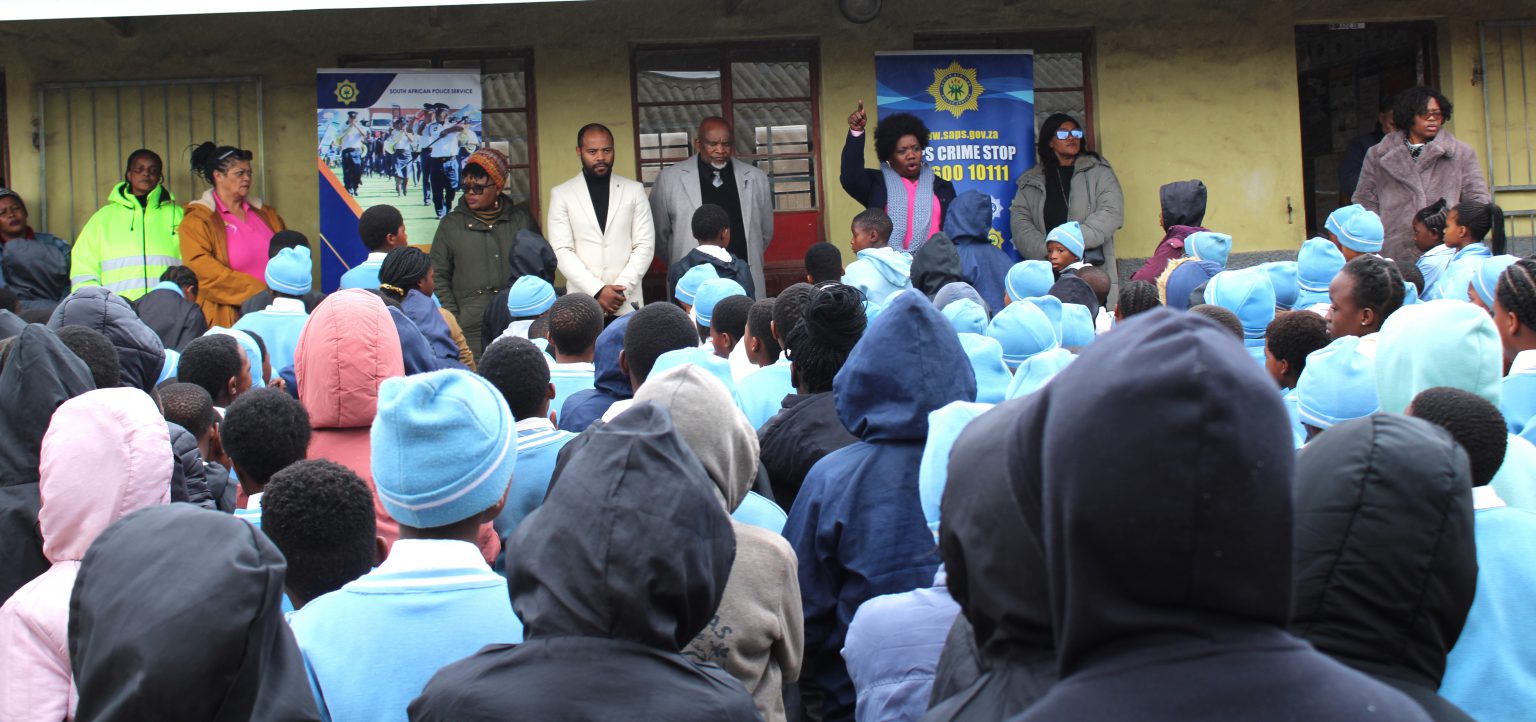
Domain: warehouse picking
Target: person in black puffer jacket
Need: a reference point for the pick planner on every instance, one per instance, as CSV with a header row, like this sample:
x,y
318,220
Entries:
x,y
139,350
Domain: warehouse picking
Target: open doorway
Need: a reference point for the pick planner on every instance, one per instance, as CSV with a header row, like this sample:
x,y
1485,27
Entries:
x,y
1345,73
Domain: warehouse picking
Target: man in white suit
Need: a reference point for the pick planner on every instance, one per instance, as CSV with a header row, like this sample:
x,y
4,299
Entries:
x,y
600,227
712,176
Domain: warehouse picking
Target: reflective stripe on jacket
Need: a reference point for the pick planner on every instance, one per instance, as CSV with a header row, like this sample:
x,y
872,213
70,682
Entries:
x,y
125,246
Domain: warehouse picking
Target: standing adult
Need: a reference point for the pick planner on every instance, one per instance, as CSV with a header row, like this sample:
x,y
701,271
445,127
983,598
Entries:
x,y
1354,155
600,227
1069,183
440,152
399,149
418,128
226,234
131,240
353,143
33,264
474,243
1416,165
712,176
905,187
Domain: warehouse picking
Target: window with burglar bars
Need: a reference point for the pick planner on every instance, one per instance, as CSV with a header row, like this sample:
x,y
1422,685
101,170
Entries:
x,y
506,87
765,91
88,130
1508,61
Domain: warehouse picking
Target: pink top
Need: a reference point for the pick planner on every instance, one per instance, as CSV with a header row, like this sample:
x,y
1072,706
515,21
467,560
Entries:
x,y
933,218
248,240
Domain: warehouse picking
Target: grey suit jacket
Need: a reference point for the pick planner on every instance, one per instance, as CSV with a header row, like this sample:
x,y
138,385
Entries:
x,y
675,197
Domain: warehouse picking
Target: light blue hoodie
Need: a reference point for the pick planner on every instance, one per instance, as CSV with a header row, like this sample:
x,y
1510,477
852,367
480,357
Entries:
x,y
992,375
1455,344
966,315
1029,278
1040,368
1338,384
1023,330
1316,265
880,273
1076,325
1249,294
1459,273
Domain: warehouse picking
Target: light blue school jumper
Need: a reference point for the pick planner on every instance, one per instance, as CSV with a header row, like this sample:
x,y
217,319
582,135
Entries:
x,y
538,446
1432,265
1491,672
568,378
1459,273
761,394
365,274
371,646
279,326
252,511
1518,401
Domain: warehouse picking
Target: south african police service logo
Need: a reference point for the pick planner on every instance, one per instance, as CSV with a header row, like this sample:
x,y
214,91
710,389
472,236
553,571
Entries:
x,y
955,89
346,92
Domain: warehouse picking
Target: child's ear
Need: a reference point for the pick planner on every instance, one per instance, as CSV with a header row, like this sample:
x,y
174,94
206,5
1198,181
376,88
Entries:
x,y
623,363
1510,323
551,395
380,550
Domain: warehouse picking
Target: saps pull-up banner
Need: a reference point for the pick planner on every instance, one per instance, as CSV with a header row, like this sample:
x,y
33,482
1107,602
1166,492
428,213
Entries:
x,y
979,107
394,137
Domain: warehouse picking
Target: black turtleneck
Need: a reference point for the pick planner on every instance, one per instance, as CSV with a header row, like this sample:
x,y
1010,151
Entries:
x,y
597,187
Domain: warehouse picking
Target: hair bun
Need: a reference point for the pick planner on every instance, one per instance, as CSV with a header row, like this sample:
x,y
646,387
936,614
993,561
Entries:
x,y
835,317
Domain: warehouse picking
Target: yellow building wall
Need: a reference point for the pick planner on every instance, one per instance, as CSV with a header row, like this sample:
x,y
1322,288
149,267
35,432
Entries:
x,y
1182,88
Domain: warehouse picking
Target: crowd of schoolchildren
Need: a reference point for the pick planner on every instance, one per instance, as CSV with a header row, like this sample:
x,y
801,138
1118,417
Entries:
x,y
933,485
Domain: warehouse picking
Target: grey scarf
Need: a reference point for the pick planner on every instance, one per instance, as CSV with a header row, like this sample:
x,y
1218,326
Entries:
x,y
896,207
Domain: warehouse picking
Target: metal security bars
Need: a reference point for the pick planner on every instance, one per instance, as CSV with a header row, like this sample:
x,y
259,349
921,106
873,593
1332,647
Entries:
x,y
1507,59
87,130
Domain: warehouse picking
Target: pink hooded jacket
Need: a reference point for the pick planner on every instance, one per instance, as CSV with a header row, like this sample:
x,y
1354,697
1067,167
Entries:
x,y
348,347
107,454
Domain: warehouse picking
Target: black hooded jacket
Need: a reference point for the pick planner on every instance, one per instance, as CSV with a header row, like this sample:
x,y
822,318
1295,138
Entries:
x,y
142,644
623,564
10,324
935,265
189,478
1386,562
993,553
140,353
174,319
1170,553
805,430
40,374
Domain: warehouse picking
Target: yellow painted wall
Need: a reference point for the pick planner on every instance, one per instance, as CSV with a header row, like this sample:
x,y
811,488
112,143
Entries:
x,y
1182,88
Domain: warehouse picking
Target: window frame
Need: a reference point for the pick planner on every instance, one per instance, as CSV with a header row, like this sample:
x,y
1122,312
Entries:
x,y
726,50
1055,41
441,58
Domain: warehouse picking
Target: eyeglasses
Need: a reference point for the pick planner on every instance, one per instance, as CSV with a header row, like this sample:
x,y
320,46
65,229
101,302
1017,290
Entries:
x,y
1065,134
1433,115
477,188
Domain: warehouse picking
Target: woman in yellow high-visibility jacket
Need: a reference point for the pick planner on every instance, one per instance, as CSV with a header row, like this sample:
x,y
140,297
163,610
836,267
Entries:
x,y
131,240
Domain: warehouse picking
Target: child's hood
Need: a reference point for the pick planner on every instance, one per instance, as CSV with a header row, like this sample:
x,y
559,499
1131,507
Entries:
x,y
908,364
348,347
1437,343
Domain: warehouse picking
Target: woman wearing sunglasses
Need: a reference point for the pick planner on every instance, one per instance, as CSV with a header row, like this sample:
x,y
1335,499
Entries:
x,y
226,235
1069,183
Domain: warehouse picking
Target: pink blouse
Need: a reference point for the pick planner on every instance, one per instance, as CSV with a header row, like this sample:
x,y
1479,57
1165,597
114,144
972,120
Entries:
x,y
248,241
933,218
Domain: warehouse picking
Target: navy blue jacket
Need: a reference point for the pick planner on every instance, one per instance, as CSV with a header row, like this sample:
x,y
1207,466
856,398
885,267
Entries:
x,y
609,384
857,527
984,265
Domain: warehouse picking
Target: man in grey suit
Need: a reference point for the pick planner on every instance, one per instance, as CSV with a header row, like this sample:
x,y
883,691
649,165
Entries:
x,y
712,176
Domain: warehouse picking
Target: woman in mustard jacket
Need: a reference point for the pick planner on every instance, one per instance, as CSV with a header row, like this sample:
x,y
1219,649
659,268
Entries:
x,y
226,234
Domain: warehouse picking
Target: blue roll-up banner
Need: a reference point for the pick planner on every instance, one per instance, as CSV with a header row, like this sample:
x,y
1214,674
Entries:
x,y
979,107
372,126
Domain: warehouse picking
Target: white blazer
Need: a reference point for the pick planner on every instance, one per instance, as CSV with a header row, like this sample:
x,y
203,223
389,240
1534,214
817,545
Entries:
x,y
676,195
591,257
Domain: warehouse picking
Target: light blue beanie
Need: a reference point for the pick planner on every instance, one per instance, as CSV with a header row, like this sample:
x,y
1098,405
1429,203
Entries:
x,y
1357,228
248,347
1051,305
1248,294
1034,373
1209,246
1070,236
290,271
880,273
1316,265
1282,275
1338,384
688,285
1486,282
944,427
530,296
1410,293
1023,330
711,293
966,315
1029,278
992,375
1076,325
444,445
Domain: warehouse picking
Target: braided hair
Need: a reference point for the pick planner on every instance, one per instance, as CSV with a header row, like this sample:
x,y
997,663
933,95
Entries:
x,y
1516,291
1433,217
1481,218
1378,285
403,270
1137,297
819,344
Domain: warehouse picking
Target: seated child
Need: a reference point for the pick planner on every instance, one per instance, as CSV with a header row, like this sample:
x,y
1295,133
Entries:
x,y
1027,279
263,432
871,229
289,275
575,321
381,229
1137,297
512,312
170,308
1288,340
1183,210
406,277
661,337
712,229
1064,247
880,273
761,393
968,223
443,452
1249,294
1514,313
710,294
1338,384
216,363
1355,230
823,264
520,372
688,285
1466,226
729,324
189,407
320,516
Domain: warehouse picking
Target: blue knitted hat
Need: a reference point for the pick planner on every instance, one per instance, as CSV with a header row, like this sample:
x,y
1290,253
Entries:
x,y
986,356
444,445
1070,236
1316,265
1338,384
711,293
966,315
1209,246
1024,330
529,296
1077,328
1357,228
290,271
1486,281
1029,278
1282,275
688,285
